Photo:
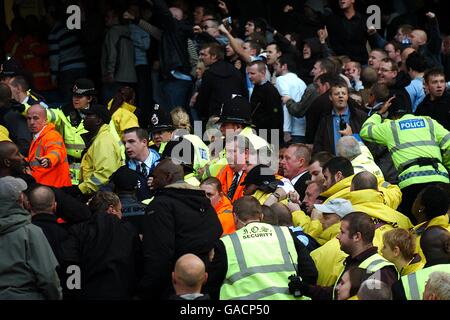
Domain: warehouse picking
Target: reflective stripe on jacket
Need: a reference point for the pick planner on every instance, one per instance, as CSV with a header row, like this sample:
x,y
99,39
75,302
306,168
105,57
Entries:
x,y
259,264
414,283
101,160
50,145
409,138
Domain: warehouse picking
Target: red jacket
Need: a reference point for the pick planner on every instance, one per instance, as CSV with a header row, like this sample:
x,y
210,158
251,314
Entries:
x,y
50,144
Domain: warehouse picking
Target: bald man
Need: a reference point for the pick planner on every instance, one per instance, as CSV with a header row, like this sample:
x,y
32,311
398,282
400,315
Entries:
x,y
429,48
47,155
188,278
179,220
43,209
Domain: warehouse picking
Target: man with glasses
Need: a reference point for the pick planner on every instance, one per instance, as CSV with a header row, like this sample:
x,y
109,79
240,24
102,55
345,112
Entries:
x,y
389,74
211,27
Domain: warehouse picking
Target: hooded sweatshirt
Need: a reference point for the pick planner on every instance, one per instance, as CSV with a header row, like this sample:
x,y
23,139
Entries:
x,y
27,264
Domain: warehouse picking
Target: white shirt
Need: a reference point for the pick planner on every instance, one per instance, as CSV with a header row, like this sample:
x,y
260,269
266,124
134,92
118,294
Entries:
x,y
295,179
294,87
36,136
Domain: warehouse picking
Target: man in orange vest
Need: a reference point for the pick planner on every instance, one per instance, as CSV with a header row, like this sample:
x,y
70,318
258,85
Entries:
x,y
47,156
220,203
234,172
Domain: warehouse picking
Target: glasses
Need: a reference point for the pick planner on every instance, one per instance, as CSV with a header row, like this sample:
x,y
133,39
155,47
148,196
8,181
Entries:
x,y
385,70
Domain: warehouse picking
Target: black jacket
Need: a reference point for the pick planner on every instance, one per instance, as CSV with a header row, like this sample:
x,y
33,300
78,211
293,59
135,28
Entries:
x,y
173,50
438,109
402,100
300,185
108,252
17,127
324,140
219,266
348,37
219,83
54,233
179,220
266,107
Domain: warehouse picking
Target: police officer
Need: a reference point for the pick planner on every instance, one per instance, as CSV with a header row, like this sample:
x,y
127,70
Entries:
x,y
257,260
235,119
192,152
415,144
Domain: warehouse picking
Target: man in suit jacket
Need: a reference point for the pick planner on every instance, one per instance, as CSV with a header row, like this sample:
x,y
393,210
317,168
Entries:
x,y
331,127
295,164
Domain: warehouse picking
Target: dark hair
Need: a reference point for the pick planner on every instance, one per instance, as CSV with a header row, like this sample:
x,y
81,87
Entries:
x,y
140,132
259,24
339,164
433,73
392,62
416,62
261,65
124,94
102,201
322,157
339,83
435,200
20,81
287,59
274,44
380,92
327,78
364,180
247,207
213,181
215,49
270,216
255,45
329,66
357,276
397,45
360,222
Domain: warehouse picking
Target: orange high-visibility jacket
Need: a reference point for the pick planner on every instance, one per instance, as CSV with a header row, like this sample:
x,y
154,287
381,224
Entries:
x,y
50,144
224,210
226,179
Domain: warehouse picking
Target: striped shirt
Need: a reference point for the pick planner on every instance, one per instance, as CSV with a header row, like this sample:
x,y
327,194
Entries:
x,y
65,50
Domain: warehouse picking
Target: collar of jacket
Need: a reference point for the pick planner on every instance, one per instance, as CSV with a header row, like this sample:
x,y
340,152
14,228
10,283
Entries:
x,y
349,261
44,216
441,221
182,185
373,200
344,183
48,127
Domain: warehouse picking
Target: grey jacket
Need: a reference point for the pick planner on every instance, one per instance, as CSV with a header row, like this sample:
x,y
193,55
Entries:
x,y
118,54
27,263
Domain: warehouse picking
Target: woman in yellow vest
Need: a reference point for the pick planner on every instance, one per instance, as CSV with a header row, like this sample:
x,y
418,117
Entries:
x,y
399,247
122,110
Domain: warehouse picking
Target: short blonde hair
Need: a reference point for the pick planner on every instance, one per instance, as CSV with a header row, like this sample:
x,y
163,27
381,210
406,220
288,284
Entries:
x,y
401,238
180,119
